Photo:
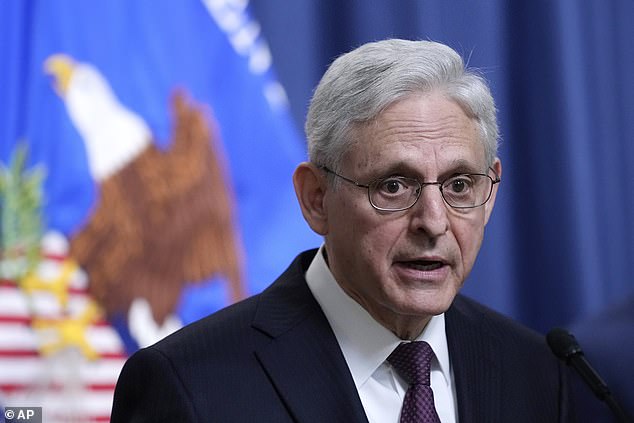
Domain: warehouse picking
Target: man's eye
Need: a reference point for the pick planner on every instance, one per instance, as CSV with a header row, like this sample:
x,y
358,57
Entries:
x,y
459,184
391,186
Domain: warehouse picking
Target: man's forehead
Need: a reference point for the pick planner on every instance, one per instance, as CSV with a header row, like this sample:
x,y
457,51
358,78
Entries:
x,y
423,116
418,155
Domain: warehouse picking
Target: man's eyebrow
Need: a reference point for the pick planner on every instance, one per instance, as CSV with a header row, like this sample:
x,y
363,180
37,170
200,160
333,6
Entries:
x,y
398,168
407,169
464,166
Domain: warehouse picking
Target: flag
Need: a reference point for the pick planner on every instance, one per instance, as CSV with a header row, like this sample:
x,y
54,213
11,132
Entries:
x,y
156,149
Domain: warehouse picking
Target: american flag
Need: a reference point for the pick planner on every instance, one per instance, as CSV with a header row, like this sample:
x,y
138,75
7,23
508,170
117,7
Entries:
x,y
56,351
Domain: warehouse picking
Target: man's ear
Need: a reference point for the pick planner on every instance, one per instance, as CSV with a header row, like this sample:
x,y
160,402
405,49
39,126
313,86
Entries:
x,y
310,187
488,207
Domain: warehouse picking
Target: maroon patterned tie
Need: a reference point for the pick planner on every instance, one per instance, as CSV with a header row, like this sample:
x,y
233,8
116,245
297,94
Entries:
x,y
412,361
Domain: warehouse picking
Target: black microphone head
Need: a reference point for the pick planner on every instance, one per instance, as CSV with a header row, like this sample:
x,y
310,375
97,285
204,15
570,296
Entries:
x,y
563,344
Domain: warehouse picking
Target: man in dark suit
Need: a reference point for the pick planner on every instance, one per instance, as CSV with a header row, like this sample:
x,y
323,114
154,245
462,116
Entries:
x,y
402,179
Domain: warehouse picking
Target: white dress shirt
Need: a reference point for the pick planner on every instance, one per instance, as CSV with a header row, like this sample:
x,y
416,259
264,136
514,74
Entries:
x,y
366,344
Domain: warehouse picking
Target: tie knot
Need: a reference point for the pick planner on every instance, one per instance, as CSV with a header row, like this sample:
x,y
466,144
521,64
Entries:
x,y
412,360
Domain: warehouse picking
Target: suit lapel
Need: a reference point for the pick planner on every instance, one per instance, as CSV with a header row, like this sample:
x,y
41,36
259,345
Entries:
x,y
475,356
303,359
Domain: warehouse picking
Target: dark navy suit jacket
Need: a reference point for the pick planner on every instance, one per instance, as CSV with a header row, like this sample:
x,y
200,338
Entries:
x,y
274,358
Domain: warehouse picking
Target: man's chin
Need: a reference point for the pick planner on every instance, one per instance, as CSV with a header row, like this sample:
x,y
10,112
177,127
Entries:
x,y
429,306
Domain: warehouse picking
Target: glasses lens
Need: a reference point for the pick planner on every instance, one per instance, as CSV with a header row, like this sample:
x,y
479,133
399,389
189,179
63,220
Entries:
x,y
394,193
467,190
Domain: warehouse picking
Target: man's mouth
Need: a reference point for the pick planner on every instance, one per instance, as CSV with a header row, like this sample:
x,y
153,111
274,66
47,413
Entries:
x,y
423,265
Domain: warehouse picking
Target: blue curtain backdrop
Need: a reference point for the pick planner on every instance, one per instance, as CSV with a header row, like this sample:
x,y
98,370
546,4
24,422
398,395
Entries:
x,y
560,245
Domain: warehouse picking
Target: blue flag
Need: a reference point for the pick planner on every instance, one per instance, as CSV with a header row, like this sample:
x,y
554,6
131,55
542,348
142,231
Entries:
x,y
150,148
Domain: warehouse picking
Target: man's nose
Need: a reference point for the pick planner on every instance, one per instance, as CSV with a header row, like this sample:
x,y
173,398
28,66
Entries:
x,y
429,214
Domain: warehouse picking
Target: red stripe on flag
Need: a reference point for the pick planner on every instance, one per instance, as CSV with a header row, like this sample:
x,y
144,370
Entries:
x,y
5,353
11,318
18,353
98,419
55,257
81,418
8,283
13,388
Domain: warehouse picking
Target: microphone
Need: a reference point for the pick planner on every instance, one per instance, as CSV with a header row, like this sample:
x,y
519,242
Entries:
x,y
564,345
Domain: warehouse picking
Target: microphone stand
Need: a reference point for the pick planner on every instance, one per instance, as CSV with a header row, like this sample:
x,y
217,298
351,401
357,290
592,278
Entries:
x,y
565,347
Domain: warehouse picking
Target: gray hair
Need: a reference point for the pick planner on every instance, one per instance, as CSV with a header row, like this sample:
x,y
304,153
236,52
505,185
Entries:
x,y
360,84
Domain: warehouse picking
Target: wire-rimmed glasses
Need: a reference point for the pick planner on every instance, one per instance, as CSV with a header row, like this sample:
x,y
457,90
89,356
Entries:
x,y
397,193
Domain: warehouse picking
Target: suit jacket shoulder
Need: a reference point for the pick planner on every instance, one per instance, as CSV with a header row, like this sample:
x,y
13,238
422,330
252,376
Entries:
x,y
503,370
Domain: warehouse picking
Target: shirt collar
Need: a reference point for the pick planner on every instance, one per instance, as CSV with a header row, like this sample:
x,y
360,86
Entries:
x,y
365,343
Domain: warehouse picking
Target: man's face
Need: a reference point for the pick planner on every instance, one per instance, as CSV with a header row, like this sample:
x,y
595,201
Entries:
x,y
403,267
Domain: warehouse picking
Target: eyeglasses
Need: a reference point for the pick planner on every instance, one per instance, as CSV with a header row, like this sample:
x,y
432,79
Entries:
x,y
397,193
